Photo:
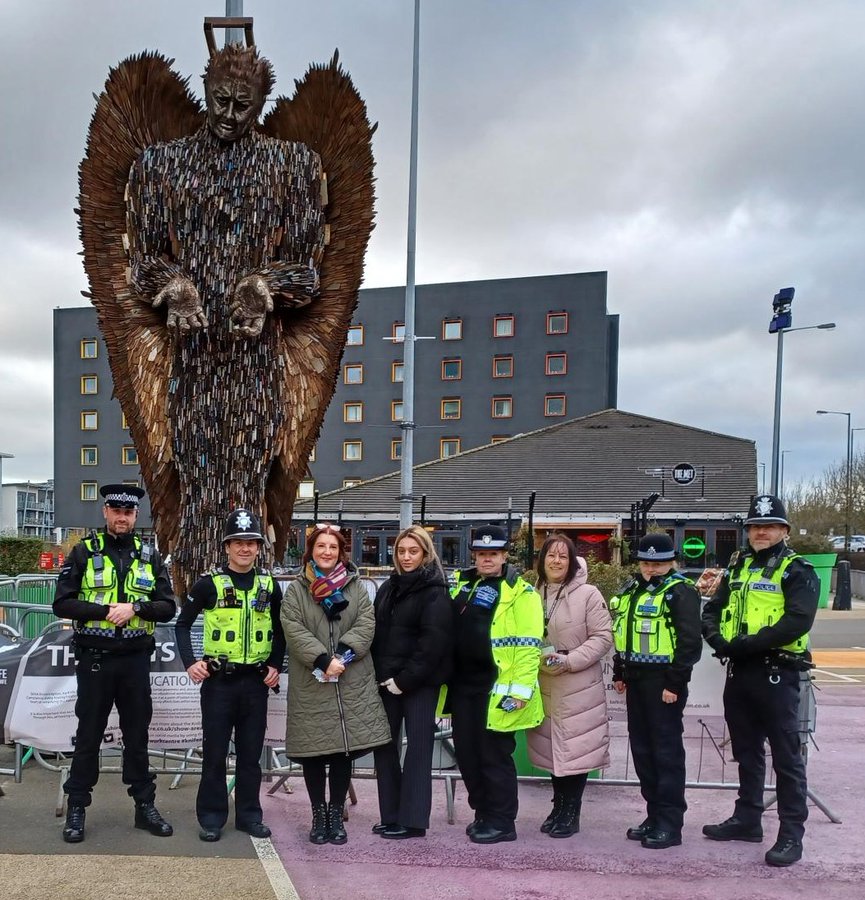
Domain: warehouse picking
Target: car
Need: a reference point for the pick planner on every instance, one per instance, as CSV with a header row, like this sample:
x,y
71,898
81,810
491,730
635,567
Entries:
x,y
857,543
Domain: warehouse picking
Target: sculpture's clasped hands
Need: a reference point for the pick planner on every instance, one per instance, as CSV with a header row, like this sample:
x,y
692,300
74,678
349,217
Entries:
x,y
185,312
249,306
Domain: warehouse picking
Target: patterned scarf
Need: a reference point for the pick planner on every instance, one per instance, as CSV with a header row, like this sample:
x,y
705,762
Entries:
x,y
327,589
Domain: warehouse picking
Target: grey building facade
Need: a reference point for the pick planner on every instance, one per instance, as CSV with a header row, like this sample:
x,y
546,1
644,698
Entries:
x,y
503,357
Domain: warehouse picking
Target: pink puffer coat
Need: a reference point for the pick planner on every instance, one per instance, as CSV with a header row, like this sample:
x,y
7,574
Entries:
x,y
574,736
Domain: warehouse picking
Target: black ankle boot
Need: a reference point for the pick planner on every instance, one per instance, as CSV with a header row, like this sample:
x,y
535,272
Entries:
x,y
569,821
73,830
319,833
147,817
336,833
553,817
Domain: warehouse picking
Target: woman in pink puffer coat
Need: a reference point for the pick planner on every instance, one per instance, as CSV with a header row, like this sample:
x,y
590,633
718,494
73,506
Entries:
x,y
574,737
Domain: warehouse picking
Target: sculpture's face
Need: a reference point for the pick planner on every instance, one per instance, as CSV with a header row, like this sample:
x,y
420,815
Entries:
x,y
232,108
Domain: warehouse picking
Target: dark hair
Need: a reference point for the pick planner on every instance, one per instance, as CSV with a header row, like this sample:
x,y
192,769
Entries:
x,y
316,533
573,562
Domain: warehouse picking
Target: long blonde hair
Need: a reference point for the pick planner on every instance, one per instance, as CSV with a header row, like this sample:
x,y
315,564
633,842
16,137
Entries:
x,y
422,537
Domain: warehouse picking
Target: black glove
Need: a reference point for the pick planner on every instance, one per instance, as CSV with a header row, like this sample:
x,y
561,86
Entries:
x,y
717,643
739,647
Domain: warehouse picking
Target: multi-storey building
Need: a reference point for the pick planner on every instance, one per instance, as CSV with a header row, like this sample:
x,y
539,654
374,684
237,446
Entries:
x,y
494,359
28,509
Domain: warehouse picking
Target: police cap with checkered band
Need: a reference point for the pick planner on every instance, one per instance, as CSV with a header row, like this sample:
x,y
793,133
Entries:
x,y
121,496
656,548
490,537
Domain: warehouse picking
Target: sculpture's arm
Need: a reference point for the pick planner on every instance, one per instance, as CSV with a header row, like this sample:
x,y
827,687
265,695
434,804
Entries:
x,y
154,268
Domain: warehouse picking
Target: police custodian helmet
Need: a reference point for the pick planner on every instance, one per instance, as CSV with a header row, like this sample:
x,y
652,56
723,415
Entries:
x,y
656,548
242,525
767,510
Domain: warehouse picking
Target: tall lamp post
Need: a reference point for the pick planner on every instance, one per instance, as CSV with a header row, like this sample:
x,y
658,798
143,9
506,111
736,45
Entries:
x,y
781,323
836,412
781,478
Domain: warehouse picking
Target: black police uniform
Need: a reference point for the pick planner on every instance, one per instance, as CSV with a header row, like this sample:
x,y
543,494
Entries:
x,y
761,700
112,670
233,699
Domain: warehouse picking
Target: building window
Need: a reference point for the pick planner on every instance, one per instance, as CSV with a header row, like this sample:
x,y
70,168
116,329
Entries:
x,y
89,384
124,422
498,438
352,412
89,456
503,367
452,369
451,408
352,451
449,447
396,410
89,348
554,405
89,420
556,364
352,373
130,456
557,323
396,371
397,332
355,336
350,482
306,489
133,482
312,454
89,490
452,329
503,407
503,326
396,449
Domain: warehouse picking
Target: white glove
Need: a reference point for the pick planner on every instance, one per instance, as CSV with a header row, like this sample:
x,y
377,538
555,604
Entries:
x,y
390,685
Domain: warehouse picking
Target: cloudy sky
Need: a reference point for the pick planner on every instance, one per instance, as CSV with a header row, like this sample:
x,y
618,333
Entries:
x,y
705,154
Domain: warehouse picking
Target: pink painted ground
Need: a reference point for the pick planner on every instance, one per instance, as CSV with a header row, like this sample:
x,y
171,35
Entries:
x,y
599,863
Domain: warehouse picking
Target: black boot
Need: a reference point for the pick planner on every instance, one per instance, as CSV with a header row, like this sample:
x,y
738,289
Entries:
x,y
73,830
147,817
553,817
319,832
335,829
569,821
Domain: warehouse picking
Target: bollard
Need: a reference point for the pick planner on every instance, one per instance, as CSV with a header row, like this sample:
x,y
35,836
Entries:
x,y
843,592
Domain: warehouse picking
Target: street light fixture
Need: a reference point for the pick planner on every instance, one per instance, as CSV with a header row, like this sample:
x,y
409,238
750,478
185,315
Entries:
x,y
781,323
835,412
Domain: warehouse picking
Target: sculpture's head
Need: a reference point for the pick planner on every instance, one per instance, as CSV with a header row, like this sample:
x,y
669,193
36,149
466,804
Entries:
x,y
236,84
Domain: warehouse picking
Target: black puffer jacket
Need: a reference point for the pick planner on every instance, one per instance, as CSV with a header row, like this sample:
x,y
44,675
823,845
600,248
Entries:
x,y
413,641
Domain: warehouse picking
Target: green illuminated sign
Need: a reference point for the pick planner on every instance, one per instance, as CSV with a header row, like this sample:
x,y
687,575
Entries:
x,y
694,547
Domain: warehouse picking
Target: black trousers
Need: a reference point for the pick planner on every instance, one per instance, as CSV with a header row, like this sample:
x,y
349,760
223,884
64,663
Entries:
x,y
485,759
756,709
405,794
106,680
232,703
655,734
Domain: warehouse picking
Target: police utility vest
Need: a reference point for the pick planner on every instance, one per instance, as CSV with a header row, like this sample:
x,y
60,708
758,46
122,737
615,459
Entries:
x,y
642,630
100,584
239,627
757,599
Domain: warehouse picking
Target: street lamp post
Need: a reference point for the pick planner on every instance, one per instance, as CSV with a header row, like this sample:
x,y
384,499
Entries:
x,y
781,474
781,323
763,477
836,412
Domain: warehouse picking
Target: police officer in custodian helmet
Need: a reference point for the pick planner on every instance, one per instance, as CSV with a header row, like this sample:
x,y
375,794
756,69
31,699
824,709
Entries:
x,y
244,646
656,630
115,588
759,621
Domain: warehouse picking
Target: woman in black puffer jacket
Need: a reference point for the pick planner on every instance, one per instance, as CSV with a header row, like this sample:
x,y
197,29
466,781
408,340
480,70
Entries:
x,y
411,652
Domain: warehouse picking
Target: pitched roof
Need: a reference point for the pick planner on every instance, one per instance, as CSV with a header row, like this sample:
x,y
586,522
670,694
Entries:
x,y
595,464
